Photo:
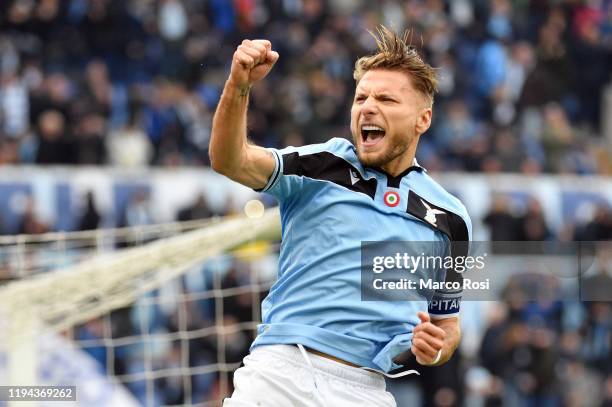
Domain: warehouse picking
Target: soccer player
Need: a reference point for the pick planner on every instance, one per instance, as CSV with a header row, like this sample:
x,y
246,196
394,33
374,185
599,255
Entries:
x,y
319,344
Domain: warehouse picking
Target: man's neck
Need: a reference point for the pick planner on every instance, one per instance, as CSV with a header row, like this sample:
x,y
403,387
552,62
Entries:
x,y
401,163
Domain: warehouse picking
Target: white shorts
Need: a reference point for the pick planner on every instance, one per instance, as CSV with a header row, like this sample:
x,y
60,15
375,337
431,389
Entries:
x,y
280,375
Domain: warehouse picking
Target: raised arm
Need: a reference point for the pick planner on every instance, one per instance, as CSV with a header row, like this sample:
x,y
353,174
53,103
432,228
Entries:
x,y
230,153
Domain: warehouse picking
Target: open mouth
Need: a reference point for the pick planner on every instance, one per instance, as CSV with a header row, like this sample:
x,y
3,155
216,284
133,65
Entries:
x,y
371,135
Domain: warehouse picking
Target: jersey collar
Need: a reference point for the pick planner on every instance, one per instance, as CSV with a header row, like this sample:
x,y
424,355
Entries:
x,y
394,181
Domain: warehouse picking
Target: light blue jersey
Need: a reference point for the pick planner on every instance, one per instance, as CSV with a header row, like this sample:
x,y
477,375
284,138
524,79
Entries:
x,y
329,204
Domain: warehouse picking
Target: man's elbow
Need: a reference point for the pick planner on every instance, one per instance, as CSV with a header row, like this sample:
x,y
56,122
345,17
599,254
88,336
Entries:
x,y
218,163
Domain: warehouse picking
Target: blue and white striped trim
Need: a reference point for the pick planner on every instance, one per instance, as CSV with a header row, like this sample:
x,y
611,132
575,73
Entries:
x,y
278,170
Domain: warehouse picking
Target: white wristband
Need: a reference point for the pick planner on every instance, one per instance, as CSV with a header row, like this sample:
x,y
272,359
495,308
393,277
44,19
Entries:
x,y
437,359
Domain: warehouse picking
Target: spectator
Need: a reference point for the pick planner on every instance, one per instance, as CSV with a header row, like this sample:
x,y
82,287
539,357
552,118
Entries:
x,y
550,79
197,210
89,140
129,146
558,136
54,144
9,151
138,211
14,106
503,224
30,223
52,93
90,218
599,228
96,96
533,224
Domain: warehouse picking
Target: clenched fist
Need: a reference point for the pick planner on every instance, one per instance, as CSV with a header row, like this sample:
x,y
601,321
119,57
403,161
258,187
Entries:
x,y
427,340
252,61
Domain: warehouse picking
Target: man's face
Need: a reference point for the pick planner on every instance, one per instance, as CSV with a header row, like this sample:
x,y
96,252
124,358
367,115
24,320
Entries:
x,y
387,117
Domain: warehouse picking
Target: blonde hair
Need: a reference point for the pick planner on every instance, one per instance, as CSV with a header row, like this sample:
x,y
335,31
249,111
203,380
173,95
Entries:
x,y
397,54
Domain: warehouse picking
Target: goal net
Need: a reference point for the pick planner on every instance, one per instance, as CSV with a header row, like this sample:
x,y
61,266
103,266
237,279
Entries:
x,y
150,315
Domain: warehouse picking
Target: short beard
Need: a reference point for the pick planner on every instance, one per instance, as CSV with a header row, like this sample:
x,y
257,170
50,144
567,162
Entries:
x,y
383,158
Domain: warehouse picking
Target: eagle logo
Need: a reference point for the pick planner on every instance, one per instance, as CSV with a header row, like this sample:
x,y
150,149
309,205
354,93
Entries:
x,y
430,216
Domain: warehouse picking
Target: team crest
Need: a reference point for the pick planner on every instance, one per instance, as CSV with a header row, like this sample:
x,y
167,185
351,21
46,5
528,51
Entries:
x,y
391,198
430,216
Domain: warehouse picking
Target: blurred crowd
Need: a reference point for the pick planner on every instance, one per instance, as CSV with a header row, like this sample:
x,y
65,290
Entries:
x,y
135,82
505,220
534,350
138,211
508,223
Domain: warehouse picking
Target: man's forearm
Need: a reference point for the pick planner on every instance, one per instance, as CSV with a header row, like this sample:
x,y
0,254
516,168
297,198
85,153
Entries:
x,y
451,340
433,341
228,136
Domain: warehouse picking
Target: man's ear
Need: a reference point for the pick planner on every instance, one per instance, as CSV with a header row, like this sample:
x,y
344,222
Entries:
x,y
423,120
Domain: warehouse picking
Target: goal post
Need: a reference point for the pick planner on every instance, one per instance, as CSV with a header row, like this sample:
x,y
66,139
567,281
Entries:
x,y
57,300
